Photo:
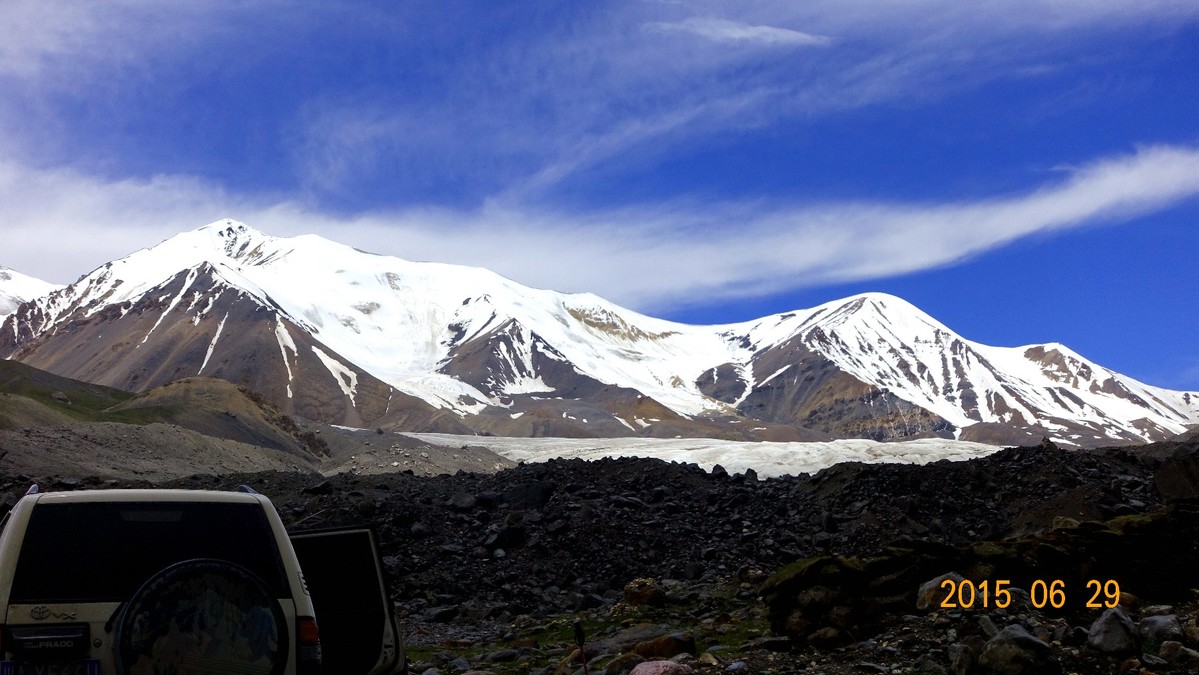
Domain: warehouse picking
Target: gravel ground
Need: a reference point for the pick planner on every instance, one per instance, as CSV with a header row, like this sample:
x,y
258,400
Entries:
x,y
490,570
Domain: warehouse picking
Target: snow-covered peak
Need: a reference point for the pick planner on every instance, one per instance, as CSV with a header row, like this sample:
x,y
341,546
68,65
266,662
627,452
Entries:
x,y
224,225
868,313
412,324
876,313
220,240
16,288
15,283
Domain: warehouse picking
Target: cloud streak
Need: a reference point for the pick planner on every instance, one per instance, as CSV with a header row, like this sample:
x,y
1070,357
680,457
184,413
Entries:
x,y
547,110
500,130
536,108
649,258
57,43
723,30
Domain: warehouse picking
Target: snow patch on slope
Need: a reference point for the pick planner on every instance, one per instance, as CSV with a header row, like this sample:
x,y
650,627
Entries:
x,y
191,278
212,345
346,378
283,338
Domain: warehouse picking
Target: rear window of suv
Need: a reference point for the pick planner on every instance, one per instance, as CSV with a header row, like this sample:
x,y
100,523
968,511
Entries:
x,y
103,551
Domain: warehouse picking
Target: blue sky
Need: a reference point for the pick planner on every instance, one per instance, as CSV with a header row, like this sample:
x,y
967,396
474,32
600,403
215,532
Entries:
x,y
1025,171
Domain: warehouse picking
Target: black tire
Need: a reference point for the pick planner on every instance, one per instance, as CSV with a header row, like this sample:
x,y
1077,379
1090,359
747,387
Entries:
x,y
202,616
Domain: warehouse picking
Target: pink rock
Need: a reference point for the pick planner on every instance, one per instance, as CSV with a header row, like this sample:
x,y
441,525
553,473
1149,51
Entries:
x,y
661,668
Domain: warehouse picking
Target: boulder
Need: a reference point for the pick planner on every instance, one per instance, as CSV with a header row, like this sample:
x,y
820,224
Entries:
x,y
1013,651
533,495
963,656
933,592
1179,656
1190,635
666,646
849,595
641,592
1160,628
1178,477
462,502
661,668
1113,633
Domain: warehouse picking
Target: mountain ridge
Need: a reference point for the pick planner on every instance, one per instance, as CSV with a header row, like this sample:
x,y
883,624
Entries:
x,y
364,340
16,288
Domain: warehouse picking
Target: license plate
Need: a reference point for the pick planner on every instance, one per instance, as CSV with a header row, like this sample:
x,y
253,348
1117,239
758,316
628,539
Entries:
x,y
89,667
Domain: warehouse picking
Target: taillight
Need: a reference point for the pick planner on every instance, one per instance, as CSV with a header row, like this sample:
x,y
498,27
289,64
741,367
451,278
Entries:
x,y
310,633
308,638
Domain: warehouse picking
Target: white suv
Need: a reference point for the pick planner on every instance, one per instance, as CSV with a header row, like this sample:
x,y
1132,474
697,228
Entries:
x,y
178,581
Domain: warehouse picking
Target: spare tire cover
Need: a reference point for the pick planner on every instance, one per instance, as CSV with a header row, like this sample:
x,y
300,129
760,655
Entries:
x,y
202,616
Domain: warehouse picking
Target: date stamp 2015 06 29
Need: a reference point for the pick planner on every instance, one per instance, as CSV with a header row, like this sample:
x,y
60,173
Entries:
x,y
966,594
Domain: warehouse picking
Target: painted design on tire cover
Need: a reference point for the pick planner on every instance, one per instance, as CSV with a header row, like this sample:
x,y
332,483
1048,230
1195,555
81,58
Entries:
x,y
202,617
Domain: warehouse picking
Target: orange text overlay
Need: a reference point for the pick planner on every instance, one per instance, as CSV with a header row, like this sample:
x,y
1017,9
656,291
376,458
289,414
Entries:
x,y
996,593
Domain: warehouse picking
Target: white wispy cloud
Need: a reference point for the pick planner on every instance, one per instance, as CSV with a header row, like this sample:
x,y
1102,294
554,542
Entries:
x,y
724,30
536,109
60,42
35,34
650,257
538,106
543,109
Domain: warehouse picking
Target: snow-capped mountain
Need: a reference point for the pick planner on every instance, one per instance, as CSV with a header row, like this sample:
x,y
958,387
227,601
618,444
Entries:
x,y
16,288
333,333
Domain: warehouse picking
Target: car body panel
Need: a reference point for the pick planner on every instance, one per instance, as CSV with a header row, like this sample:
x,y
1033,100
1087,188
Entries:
x,y
345,576
100,615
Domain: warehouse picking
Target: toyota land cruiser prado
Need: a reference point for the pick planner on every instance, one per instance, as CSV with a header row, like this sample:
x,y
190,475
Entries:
x,y
178,581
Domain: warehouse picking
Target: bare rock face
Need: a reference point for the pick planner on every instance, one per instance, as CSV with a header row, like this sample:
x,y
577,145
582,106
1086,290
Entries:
x,y
802,386
723,383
